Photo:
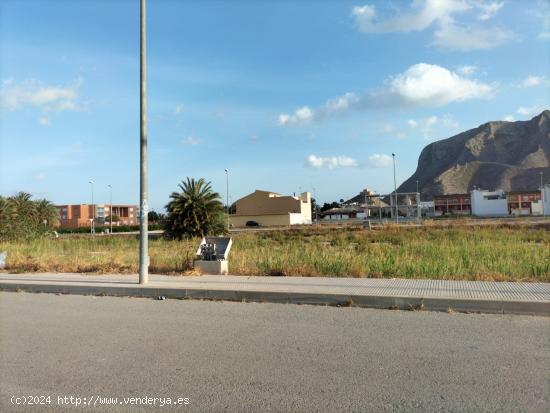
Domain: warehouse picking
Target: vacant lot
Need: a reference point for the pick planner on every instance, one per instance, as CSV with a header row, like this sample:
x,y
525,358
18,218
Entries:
x,y
473,253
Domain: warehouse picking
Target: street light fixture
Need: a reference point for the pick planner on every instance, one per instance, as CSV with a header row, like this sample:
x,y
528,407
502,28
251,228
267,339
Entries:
x,y
93,208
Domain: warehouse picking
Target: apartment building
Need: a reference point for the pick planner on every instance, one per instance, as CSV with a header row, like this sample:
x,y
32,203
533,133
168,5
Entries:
x,y
80,215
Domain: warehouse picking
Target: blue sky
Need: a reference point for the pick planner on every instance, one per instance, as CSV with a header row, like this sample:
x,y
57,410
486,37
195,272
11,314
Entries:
x,y
289,96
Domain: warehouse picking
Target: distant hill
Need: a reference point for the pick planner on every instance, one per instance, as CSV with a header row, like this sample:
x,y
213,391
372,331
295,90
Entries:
x,y
495,155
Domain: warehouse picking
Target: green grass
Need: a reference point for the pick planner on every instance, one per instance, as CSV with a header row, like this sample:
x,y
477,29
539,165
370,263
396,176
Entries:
x,y
471,253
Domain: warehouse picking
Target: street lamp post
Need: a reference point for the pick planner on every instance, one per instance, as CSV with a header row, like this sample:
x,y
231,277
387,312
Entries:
x,y
315,205
395,190
542,193
93,208
227,190
143,210
110,208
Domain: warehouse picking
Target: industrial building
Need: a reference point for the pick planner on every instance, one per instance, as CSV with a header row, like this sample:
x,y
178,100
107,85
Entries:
x,y
456,204
271,209
489,203
524,202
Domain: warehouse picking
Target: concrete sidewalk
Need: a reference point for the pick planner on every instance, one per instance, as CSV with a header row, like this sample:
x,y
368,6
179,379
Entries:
x,y
436,295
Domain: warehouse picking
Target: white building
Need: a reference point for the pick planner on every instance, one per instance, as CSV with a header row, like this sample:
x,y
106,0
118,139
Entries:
x,y
489,203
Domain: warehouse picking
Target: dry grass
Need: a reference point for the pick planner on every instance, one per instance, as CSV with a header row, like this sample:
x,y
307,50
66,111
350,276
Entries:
x,y
472,253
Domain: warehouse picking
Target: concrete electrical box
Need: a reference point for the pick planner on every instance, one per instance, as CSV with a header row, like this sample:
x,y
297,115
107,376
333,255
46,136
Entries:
x,y
212,255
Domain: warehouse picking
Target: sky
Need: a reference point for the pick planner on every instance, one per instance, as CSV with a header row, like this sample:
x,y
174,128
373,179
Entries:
x,y
289,96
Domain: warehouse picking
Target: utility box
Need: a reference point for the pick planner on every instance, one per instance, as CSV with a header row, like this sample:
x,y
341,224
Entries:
x,y
3,256
212,255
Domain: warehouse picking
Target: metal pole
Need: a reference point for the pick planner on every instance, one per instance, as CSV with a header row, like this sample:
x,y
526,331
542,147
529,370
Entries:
x,y
395,190
143,210
93,215
227,190
417,187
542,193
111,208
314,205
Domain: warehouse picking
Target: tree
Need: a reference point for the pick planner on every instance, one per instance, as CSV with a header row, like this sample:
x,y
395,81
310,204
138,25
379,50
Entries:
x,y
46,211
327,206
314,209
196,211
153,217
7,217
21,217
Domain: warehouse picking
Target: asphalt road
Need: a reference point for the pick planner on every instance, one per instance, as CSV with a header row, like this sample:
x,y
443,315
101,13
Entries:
x,y
241,357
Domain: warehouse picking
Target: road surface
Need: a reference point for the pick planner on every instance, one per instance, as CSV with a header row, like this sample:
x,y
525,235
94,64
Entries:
x,y
245,357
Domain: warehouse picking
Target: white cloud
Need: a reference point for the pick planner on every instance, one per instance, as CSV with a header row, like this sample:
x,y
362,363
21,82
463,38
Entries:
x,y
304,114
380,160
509,118
542,12
340,103
41,176
532,80
432,85
449,35
428,126
331,107
179,109
467,70
420,85
422,15
330,162
529,111
489,10
389,128
465,39
44,121
34,93
191,141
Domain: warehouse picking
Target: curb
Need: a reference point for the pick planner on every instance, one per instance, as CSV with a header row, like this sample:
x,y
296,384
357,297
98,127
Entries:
x,y
540,308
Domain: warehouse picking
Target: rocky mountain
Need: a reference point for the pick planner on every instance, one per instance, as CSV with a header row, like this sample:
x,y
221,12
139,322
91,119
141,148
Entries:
x,y
495,155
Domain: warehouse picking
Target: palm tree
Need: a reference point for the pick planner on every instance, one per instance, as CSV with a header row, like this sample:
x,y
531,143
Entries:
x,y
46,211
7,216
24,207
25,223
21,217
195,211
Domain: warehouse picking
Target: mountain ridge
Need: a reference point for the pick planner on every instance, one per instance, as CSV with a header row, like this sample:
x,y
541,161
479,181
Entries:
x,y
495,155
